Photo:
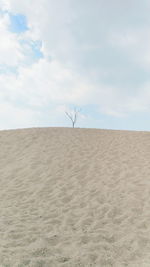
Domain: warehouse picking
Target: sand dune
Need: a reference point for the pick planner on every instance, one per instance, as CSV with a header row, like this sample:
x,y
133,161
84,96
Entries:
x,y
74,197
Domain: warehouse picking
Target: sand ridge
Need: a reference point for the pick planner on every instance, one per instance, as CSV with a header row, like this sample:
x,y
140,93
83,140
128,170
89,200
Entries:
x,y
74,197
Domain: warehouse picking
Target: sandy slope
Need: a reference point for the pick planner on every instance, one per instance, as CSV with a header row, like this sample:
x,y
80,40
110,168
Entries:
x,y
74,197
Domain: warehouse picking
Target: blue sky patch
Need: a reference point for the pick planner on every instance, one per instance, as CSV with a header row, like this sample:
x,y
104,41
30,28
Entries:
x,y
18,23
32,50
36,49
5,69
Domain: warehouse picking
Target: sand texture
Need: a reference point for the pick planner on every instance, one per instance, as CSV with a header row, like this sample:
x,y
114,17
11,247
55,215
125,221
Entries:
x,y
74,198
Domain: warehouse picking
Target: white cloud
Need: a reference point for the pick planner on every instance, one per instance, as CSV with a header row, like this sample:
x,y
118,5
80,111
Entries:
x,y
50,82
46,83
124,40
42,85
11,52
17,117
141,102
47,22
135,44
62,77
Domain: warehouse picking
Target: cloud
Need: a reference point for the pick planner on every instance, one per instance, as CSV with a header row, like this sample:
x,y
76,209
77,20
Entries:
x,y
135,44
15,49
10,49
45,82
17,117
75,53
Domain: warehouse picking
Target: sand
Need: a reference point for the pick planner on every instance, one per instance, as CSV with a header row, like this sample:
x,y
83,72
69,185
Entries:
x,y
74,197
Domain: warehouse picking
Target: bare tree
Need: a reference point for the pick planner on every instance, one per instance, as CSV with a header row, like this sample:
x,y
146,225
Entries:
x,y
73,115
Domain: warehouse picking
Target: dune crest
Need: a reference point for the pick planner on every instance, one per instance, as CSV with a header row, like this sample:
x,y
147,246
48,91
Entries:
x,y
74,197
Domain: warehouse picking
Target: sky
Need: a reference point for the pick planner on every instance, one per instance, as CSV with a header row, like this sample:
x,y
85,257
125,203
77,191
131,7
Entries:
x,y
59,54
